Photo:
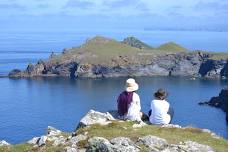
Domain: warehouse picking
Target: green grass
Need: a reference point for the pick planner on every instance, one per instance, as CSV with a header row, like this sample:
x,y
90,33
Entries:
x,y
125,129
101,50
29,148
215,55
171,47
172,135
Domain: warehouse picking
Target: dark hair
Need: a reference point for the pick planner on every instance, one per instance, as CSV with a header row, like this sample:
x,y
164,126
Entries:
x,y
160,94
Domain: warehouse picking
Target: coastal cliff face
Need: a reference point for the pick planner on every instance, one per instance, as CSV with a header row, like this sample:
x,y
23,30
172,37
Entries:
x,y
103,57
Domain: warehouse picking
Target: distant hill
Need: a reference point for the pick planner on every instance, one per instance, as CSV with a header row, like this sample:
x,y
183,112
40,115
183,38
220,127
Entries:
x,y
104,50
171,46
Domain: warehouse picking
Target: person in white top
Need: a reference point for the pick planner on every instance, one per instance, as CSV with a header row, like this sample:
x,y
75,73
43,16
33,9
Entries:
x,y
129,102
161,113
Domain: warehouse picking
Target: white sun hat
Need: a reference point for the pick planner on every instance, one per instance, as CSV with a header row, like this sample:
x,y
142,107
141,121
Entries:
x,y
131,85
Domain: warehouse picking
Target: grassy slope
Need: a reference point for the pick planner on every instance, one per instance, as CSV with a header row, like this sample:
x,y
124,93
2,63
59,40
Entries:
x,y
172,135
104,50
125,129
215,55
101,50
171,46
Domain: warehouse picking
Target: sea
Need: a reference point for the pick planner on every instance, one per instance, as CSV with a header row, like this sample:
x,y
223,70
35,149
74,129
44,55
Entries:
x,y
29,105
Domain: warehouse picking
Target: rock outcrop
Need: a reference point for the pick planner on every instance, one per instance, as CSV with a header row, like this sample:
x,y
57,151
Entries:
x,y
95,117
84,142
4,143
103,57
220,101
134,42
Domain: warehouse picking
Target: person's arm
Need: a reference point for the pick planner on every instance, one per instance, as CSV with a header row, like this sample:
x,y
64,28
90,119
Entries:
x,y
167,107
136,99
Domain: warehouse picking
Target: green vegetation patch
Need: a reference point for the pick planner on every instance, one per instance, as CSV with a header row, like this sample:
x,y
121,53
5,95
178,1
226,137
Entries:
x,y
171,47
172,135
102,50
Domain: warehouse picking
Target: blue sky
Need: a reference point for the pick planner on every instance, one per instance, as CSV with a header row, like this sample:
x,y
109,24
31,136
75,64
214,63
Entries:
x,y
154,14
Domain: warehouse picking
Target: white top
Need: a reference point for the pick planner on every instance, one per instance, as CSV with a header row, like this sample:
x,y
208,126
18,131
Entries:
x,y
134,109
159,112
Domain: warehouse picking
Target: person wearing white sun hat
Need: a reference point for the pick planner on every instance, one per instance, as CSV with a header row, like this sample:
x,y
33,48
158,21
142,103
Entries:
x,y
128,102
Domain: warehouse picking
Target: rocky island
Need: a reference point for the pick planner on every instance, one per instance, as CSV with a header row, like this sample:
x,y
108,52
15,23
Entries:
x,y
102,132
106,57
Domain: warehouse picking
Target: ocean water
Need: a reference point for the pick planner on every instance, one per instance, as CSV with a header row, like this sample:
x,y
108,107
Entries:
x,y
28,106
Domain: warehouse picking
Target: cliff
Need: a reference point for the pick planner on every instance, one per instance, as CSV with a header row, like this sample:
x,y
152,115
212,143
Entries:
x,y
102,132
220,101
105,57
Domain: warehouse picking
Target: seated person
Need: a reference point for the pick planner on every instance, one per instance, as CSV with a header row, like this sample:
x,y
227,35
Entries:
x,y
160,112
128,102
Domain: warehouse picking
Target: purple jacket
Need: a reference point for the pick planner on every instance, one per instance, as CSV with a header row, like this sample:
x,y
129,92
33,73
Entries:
x,y
123,102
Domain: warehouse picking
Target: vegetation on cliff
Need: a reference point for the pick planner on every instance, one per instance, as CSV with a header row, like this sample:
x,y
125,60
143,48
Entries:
x,y
125,129
104,132
102,50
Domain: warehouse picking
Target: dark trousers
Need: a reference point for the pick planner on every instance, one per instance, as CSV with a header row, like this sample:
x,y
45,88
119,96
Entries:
x,y
170,112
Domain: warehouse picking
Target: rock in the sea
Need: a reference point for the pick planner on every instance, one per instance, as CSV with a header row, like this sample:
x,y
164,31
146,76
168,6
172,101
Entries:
x,y
220,101
15,73
153,143
4,143
95,117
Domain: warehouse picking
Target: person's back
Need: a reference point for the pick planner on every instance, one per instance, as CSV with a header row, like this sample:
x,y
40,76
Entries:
x,y
159,112
134,108
128,102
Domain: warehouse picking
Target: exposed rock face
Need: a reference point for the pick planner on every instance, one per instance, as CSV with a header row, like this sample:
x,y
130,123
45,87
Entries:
x,y
153,143
95,117
213,68
220,101
134,42
119,144
180,64
4,143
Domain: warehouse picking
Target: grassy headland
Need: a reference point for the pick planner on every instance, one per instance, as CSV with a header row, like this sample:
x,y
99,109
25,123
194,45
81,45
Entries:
x,y
125,129
101,50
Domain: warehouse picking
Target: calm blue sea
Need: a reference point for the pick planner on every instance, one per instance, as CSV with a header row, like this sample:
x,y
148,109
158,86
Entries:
x,y
28,106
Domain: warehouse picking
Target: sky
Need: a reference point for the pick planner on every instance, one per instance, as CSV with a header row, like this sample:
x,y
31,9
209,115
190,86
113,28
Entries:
x,y
128,14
